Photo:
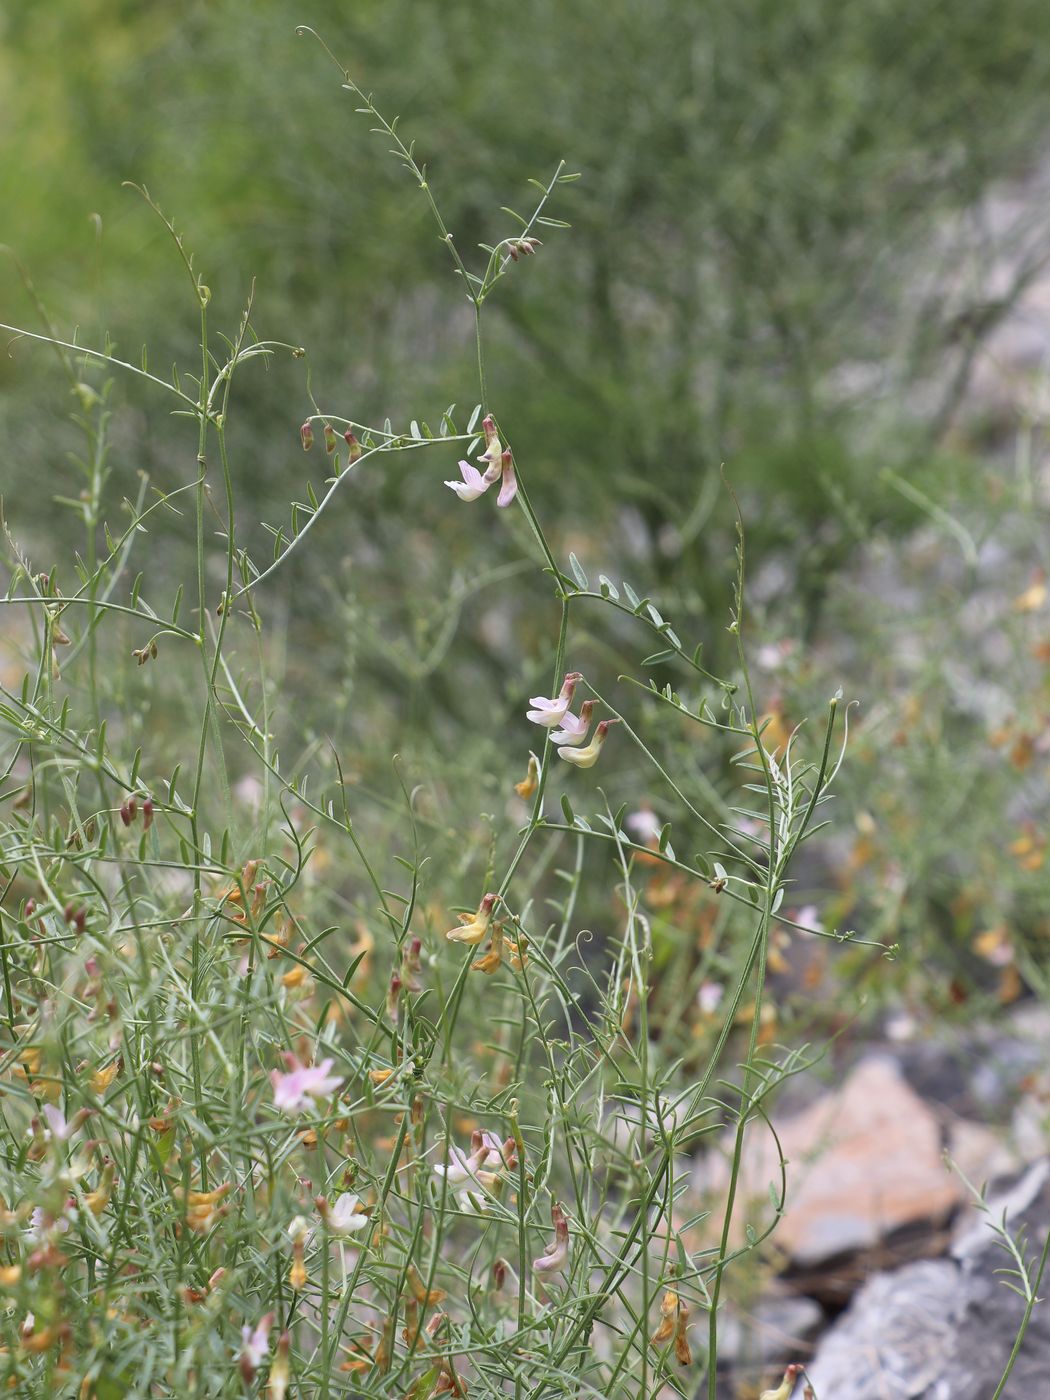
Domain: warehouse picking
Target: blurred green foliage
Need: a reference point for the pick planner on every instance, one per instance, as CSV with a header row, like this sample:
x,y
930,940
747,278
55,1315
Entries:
x,y
761,186
774,202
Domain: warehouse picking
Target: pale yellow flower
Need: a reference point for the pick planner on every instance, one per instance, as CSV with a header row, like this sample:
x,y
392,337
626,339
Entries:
x,y
587,756
474,929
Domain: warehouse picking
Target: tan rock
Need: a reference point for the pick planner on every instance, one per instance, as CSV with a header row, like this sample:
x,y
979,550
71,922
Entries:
x,y
863,1161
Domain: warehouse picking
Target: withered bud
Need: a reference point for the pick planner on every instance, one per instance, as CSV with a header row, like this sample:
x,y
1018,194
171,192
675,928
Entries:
x,y
147,814
499,1274
393,996
435,1325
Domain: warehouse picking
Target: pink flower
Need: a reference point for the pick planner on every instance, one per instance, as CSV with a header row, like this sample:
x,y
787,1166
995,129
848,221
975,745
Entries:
x,y
509,488
550,713
473,484
255,1346
293,1091
499,463
709,997
574,727
556,1257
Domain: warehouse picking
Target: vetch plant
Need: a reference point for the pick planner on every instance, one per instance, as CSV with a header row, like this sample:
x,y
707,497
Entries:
x,y
260,1014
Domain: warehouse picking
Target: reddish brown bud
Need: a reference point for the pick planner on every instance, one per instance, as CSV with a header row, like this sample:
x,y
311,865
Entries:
x,y
353,444
147,814
306,435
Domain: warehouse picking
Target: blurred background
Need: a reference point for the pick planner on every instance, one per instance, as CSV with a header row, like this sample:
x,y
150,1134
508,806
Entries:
x,y
809,241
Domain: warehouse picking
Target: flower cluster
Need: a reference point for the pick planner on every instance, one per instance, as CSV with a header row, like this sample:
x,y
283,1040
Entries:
x,y
499,466
569,731
471,1175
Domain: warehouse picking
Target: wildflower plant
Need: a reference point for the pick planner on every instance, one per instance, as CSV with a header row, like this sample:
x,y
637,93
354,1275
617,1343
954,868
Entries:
x,y
266,1129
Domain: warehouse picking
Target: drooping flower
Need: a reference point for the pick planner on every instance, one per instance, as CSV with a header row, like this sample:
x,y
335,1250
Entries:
x,y
509,485
97,1200
528,785
479,1166
574,728
301,1232
255,1346
668,1317
551,713
425,1297
203,1208
498,463
555,1258
786,1386
59,1129
473,484
343,1218
472,1175
293,1090
682,1354
493,454
587,756
473,928
280,1370
491,960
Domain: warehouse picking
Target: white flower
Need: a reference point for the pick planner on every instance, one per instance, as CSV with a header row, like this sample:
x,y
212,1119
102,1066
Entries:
x,y
255,1346
551,712
643,824
709,997
574,728
344,1218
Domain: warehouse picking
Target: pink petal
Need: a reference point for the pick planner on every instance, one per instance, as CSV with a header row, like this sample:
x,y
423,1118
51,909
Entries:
x,y
472,486
509,489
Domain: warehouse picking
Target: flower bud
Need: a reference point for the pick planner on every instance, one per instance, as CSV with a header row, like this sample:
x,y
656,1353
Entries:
x,y
353,444
306,435
329,438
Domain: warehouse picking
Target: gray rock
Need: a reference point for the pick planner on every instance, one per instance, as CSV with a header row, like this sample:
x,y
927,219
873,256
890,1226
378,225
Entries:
x,y
943,1329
